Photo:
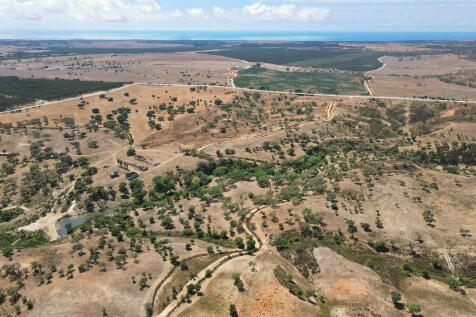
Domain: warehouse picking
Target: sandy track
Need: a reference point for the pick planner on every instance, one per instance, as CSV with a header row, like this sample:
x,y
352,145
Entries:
x,y
367,86
367,82
329,111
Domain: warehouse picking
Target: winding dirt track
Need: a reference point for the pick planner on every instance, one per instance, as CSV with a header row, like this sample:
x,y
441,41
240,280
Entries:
x,y
212,267
329,111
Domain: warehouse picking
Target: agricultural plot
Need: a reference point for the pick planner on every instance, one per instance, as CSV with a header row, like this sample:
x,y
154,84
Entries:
x,y
307,82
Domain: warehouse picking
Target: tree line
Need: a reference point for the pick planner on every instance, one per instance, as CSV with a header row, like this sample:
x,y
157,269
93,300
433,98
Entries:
x,y
15,91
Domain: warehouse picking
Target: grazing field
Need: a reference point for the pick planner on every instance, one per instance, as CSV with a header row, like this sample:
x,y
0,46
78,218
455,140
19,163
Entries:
x,y
309,82
15,91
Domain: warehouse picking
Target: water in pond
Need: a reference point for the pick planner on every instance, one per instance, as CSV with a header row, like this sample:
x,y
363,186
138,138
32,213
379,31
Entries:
x,y
75,221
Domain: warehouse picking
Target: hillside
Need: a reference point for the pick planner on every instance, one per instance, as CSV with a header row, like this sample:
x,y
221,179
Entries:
x,y
194,201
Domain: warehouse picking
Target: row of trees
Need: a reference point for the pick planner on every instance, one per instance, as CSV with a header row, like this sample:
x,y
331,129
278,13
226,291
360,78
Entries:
x,y
15,91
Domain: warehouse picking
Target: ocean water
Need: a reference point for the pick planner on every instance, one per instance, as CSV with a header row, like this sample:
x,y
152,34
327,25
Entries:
x,y
232,35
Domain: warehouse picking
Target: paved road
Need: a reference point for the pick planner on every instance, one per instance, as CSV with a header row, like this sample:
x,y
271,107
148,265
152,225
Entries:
x,y
245,89
315,94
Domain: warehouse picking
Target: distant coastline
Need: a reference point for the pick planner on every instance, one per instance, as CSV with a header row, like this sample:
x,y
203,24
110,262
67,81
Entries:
x,y
233,35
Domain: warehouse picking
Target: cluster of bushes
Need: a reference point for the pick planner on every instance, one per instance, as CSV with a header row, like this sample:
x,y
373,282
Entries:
x,y
444,154
117,121
286,279
297,246
9,214
10,240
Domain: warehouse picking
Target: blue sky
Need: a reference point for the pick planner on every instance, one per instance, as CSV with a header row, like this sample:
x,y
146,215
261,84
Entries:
x,y
218,15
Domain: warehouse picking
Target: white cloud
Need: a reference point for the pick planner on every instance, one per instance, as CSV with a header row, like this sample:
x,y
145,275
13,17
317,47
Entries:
x,y
177,13
388,2
104,10
54,6
218,11
196,12
313,14
97,11
261,11
81,10
347,15
148,6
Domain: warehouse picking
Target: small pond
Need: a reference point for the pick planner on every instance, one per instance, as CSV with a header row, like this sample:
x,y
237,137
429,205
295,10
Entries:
x,y
76,221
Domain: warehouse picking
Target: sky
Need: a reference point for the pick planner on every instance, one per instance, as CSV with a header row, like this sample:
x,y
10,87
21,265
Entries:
x,y
240,15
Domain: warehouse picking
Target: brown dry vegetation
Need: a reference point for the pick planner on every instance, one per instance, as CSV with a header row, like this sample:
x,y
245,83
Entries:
x,y
418,76
114,290
362,176
183,67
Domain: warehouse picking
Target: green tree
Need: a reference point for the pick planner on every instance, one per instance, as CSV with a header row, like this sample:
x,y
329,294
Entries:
x,y
250,244
7,251
238,282
429,217
137,190
163,184
239,243
396,298
233,311
131,151
143,282
167,222
148,309
123,189
414,309
351,228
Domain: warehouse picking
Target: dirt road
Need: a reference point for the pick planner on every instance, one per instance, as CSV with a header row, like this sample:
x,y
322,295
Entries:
x,y
245,89
329,111
214,266
368,88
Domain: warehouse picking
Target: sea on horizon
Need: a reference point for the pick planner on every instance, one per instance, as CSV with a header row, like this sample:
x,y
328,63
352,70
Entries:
x,y
232,35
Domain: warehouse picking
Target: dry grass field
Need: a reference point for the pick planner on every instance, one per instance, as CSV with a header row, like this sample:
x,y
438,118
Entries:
x,y
116,291
418,76
178,200
181,67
